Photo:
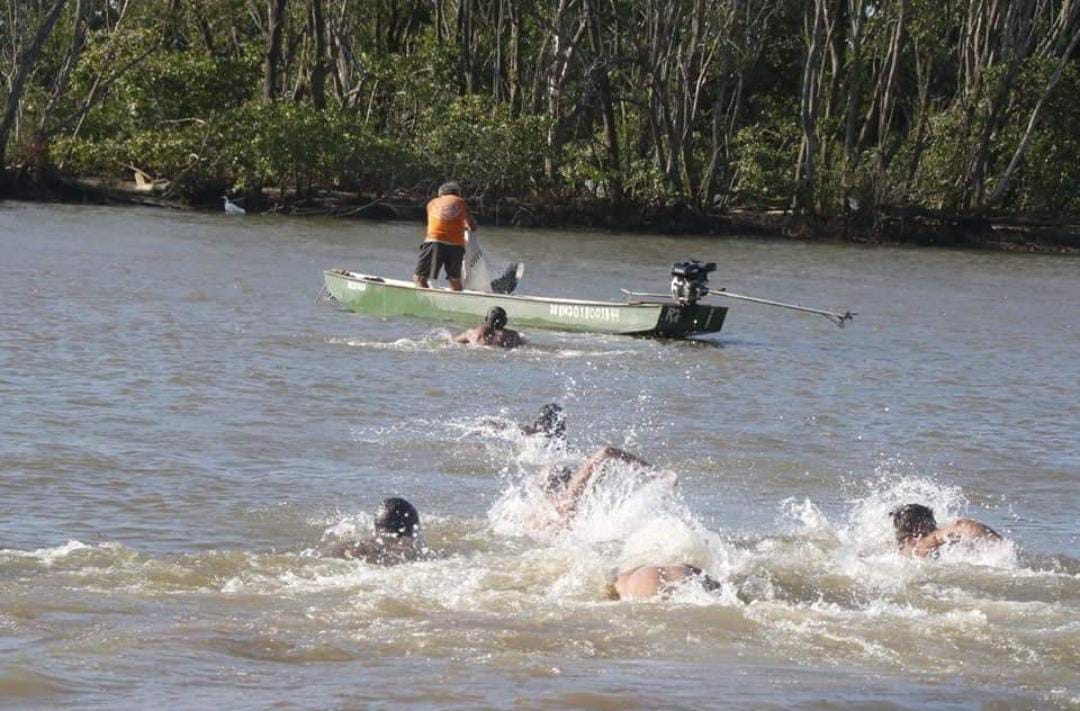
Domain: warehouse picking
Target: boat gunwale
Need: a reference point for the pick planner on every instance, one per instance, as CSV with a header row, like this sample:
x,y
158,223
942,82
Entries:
x,y
401,284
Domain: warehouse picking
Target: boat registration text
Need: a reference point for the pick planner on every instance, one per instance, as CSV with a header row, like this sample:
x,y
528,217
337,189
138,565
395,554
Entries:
x,y
592,313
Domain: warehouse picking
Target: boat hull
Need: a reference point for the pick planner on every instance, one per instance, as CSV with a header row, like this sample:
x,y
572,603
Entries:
x,y
390,297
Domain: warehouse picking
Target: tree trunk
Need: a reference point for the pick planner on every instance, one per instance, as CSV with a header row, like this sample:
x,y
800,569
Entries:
x,y
59,90
1003,182
172,36
204,27
886,112
607,110
272,55
805,184
465,41
26,66
514,60
497,81
857,18
319,69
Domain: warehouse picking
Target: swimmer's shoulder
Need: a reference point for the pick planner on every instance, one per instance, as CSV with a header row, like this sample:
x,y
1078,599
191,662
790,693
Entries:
x,y
377,551
967,528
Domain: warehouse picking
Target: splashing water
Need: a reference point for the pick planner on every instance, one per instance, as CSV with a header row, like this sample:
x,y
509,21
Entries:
x,y
175,402
433,342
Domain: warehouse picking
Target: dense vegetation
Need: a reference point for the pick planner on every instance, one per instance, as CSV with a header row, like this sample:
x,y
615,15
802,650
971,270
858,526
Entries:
x,y
830,107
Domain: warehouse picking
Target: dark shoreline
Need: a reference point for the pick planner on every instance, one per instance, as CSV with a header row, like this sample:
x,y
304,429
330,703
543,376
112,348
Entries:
x,y
896,227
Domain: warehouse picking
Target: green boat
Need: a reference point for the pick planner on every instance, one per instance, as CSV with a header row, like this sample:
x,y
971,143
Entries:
x,y
382,297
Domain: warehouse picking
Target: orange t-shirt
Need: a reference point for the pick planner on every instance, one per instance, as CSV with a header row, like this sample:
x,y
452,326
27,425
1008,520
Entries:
x,y
447,218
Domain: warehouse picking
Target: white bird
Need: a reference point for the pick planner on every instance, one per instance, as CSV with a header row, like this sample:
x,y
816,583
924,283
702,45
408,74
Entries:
x,y
231,208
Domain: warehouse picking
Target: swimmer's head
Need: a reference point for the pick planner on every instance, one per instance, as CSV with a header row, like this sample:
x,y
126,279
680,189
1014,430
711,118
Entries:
x,y
551,422
913,521
557,479
496,317
397,518
611,589
450,188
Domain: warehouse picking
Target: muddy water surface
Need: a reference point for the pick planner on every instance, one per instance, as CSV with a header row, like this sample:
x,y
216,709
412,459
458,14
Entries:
x,y
184,427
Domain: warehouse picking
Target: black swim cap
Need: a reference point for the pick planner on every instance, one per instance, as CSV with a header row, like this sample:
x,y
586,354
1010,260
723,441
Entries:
x,y
398,518
496,317
557,479
551,421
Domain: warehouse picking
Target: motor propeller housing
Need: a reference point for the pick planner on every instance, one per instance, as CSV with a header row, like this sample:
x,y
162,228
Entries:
x,y
690,281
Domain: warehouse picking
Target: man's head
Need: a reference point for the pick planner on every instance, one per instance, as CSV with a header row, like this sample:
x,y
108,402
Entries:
x,y
913,521
450,188
551,422
397,518
496,317
556,479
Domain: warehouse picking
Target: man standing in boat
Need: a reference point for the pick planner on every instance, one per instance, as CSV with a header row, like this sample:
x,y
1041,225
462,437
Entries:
x,y
444,247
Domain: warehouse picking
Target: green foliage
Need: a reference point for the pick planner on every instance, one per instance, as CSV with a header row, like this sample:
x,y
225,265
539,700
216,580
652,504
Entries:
x,y
147,89
648,185
285,144
476,141
1050,176
765,154
513,101
290,144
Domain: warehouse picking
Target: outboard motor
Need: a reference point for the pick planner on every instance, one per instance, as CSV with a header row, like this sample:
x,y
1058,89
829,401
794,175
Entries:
x,y
690,281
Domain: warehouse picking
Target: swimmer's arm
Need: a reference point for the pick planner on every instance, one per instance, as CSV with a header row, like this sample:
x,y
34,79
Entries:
x,y
567,504
467,337
350,550
608,452
969,528
575,488
500,425
927,545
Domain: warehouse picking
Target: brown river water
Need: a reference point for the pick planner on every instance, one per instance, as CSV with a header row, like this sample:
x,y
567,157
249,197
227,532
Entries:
x,y
184,426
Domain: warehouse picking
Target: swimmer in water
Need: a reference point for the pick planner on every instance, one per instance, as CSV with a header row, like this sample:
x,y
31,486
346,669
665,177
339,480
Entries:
x,y
396,537
917,532
493,332
567,488
551,423
651,581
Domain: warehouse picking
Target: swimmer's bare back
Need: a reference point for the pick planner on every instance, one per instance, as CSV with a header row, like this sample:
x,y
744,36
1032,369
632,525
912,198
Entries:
x,y
962,530
377,551
499,338
649,581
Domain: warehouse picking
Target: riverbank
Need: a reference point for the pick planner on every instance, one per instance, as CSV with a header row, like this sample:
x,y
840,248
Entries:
x,y
896,226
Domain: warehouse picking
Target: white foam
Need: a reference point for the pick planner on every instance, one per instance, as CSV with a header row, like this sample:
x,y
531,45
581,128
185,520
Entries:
x,y
49,556
434,341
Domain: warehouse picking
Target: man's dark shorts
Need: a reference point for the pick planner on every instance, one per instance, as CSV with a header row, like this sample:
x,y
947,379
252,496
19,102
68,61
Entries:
x,y
435,256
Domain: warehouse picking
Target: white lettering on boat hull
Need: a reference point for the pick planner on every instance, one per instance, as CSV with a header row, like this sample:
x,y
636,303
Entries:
x,y
355,286
588,313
